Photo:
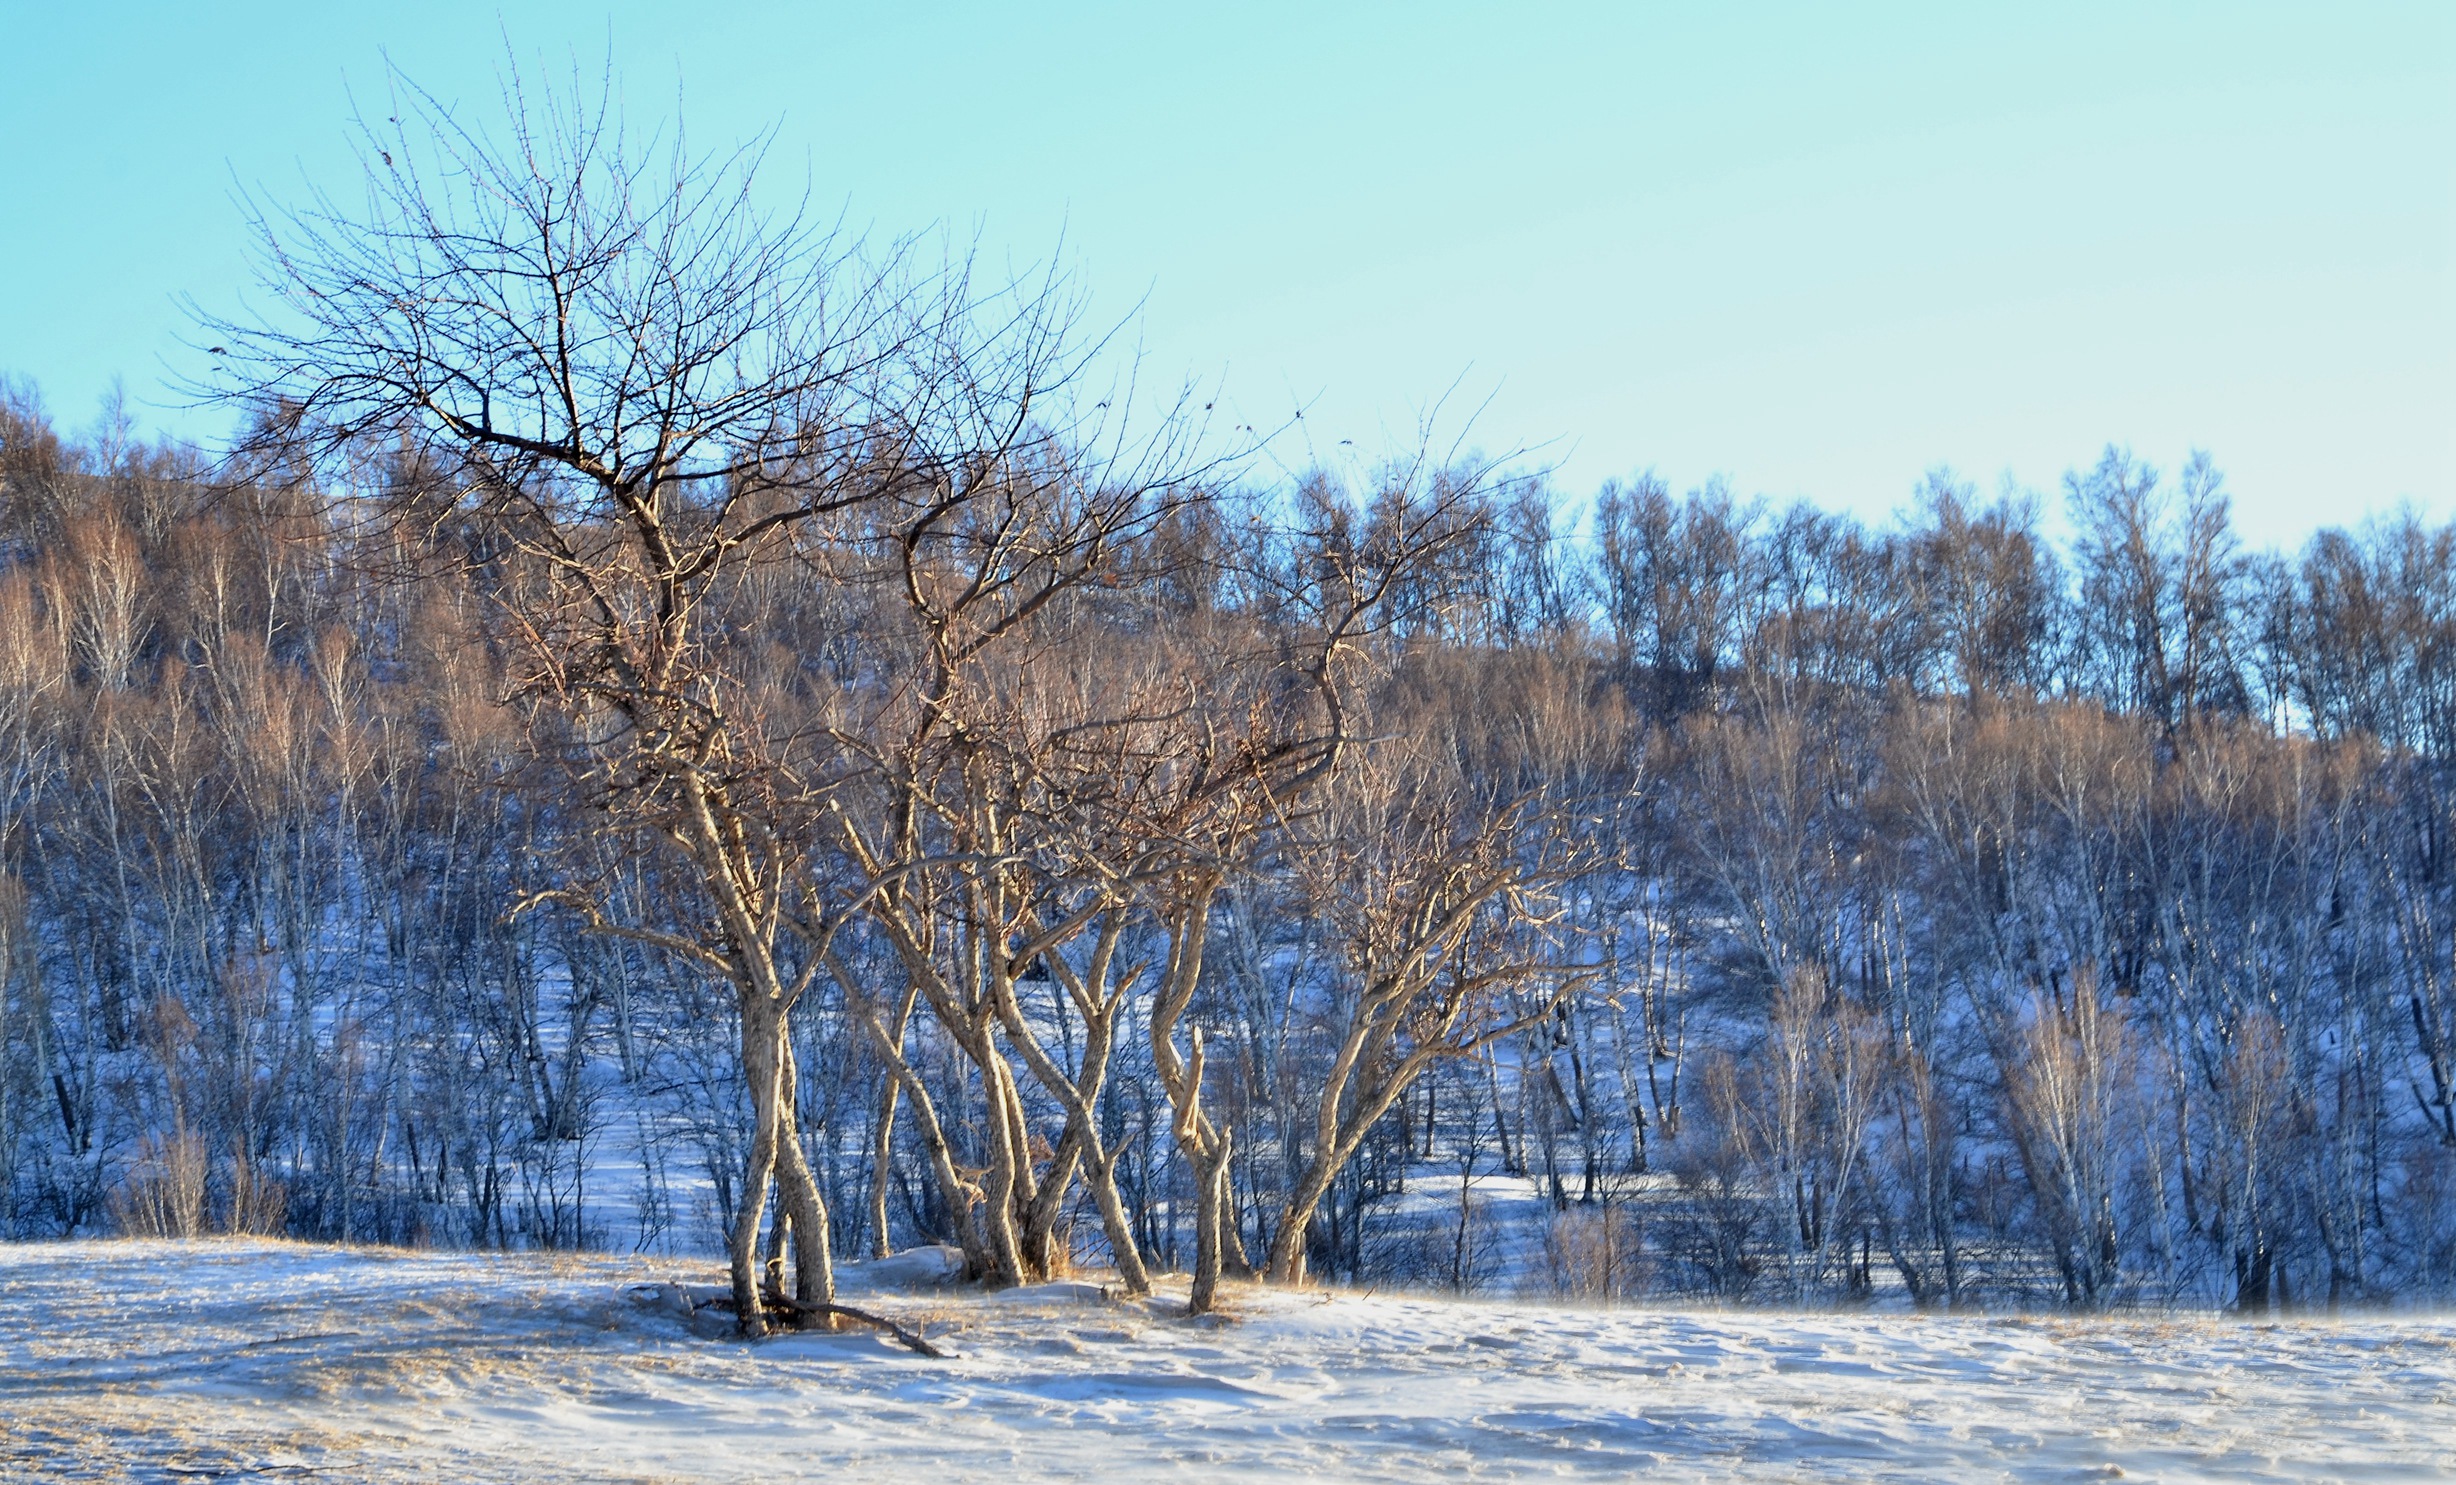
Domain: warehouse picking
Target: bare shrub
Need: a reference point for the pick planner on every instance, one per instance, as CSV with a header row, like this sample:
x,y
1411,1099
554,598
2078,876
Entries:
x,y
1595,1254
256,1205
163,1194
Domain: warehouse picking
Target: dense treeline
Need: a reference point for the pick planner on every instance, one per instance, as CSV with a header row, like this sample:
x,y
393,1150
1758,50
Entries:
x,y
672,730
1914,906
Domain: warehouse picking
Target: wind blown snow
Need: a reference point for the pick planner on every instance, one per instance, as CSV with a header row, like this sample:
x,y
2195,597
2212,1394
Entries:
x,y
153,1360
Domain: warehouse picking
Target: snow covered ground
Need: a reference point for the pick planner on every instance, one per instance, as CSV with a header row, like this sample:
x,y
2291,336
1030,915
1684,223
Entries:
x,y
150,1360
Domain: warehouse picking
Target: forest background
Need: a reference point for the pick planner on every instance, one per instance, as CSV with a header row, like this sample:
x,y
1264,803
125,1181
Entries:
x,y
1915,906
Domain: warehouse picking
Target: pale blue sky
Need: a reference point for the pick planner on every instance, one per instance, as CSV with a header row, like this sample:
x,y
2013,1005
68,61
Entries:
x,y
1814,248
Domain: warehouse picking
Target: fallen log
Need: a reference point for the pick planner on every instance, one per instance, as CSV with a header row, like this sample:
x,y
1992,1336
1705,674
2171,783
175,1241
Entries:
x,y
911,1339
678,1296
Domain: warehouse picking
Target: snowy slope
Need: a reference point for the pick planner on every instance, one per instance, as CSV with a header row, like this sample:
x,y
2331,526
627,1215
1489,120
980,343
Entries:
x,y
145,1360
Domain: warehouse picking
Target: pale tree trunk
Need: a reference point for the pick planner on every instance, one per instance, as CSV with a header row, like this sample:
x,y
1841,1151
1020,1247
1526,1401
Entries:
x,y
1012,1246
777,1160
882,1138
1214,1222
1116,1225
1204,1144
1338,1139
1007,1185
1333,1143
1287,1255
1081,1147
1047,1202
961,1196
762,1069
767,1063
814,1273
882,1156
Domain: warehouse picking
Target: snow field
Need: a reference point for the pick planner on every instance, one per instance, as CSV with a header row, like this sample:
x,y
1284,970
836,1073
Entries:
x,y
125,1360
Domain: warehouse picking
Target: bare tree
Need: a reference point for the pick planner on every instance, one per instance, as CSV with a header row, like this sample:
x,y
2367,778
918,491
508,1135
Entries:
x,y
625,382
1439,901
2069,1093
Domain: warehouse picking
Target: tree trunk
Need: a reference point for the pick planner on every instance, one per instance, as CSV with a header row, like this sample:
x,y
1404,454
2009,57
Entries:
x,y
1080,1147
1212,1219
882,1157
962,1198
1009,1171
1287,1258
1101,1175
882,1136
814,1269
761,1068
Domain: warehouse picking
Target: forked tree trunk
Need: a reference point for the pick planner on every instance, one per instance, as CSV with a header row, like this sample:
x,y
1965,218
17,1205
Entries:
x,y
1012,1243
1007,1182
777,1161
882,1136
762,1069
1344,1121
1204,1144
1287,1258
814,1271
767,1059
962,1198
1039,1211
1080,1148
882,1156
